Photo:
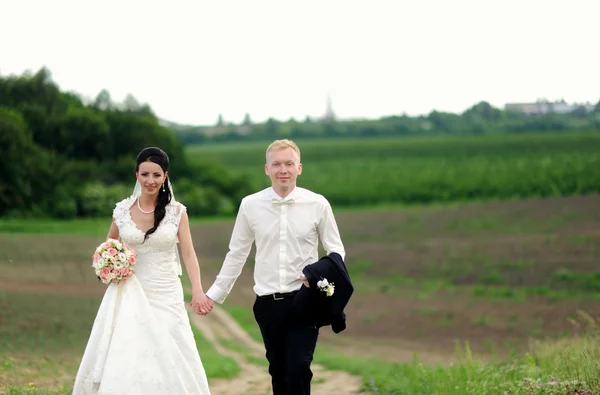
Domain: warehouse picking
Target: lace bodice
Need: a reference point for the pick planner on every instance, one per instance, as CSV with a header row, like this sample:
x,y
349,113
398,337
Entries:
x,y
159,251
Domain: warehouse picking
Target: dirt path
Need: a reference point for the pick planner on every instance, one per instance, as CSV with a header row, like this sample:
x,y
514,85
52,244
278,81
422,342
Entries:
x,y
255,380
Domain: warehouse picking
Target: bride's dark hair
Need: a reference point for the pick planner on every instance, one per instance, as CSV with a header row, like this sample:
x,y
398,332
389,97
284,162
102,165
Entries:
x,y
160,157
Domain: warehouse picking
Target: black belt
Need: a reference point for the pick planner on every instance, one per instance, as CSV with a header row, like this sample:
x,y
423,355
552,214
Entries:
x,y
279,295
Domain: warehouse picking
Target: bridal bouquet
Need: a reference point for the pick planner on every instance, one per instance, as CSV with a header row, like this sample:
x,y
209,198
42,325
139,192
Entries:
x,y
114,261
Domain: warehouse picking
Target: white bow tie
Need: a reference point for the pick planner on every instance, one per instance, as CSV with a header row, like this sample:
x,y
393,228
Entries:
x,y
277,201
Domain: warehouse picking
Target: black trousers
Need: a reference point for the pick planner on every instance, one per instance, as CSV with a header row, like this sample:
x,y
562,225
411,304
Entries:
x,y
289,343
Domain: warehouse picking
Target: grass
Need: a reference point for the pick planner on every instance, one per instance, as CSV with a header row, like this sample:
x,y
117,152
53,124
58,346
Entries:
x,y
565,366
82,226
42,339
215,364
31,389
549,368
245,318
582,287
94,226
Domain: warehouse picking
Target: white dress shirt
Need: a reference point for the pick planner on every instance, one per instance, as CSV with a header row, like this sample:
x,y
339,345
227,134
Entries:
x,y
286,233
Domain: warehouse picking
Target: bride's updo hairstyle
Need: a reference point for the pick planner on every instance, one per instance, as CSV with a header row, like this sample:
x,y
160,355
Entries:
x,y
160,157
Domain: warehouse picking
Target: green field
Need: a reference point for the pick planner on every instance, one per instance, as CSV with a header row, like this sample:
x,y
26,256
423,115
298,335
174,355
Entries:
x,y
435,169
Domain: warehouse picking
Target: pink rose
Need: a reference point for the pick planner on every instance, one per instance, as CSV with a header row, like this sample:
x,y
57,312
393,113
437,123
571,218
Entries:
x,y
105,272
129,274
112,252
107,245
103,278
132,260
124,271
96,257
126,246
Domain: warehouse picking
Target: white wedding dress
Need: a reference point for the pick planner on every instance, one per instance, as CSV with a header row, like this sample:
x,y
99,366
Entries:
x,y
141,342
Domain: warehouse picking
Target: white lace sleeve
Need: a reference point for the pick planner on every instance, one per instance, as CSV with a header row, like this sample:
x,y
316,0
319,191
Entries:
x,y
120,212
174,213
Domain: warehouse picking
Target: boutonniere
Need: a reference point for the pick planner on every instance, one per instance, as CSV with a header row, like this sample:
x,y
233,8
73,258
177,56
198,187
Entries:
x,y
326,287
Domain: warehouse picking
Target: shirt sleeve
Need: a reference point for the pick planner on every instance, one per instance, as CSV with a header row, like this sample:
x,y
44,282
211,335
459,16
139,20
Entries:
x,y
239,248
329,232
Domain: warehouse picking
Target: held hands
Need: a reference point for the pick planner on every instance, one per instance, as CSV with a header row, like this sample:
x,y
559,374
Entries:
x,y
201,304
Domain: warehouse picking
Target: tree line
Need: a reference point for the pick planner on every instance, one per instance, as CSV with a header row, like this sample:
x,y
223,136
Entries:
x,y
481,119
63,157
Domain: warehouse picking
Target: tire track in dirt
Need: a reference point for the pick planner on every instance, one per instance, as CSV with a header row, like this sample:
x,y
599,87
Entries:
x,y
219,326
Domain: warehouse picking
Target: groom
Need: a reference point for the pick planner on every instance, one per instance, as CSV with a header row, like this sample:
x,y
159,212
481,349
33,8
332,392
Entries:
x,y
286,222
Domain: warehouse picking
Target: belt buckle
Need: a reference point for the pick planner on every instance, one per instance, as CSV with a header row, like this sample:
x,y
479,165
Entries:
x,y
276,298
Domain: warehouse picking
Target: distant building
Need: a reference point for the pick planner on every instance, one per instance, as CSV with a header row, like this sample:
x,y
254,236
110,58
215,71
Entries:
x,y
546,107
329,114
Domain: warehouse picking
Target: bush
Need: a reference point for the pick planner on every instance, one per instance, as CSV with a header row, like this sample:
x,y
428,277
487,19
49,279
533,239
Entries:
x,y
99,200
62,205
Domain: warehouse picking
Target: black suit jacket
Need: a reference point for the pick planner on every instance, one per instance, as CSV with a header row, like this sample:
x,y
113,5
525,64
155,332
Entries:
x,y
313,305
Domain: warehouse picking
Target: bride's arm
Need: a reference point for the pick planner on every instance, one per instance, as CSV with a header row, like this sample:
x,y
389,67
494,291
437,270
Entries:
x,y
113,232
188,254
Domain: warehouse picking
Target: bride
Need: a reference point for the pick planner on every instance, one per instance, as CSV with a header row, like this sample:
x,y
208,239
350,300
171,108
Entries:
x,y
141,341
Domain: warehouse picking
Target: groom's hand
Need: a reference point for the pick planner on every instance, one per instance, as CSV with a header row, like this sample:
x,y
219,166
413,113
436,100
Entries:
x,y
304,280
210,303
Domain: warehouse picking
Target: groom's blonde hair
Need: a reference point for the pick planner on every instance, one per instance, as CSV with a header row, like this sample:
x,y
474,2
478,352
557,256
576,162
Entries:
x,y
282,144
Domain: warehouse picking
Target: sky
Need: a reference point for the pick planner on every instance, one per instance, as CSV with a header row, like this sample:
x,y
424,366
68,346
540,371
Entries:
x,y
193,60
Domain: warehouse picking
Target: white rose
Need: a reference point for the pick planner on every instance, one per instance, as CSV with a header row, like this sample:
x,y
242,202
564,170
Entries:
x,y
122,257
99,264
